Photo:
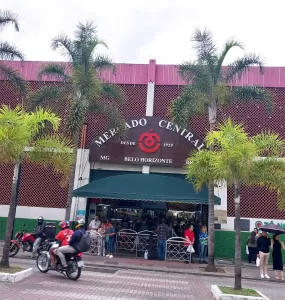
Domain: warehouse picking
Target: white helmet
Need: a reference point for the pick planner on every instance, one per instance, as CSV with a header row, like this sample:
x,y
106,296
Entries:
x,y
79,223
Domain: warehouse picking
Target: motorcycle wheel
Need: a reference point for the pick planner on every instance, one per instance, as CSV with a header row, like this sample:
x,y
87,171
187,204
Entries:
x,y
73,272
42,263
14,249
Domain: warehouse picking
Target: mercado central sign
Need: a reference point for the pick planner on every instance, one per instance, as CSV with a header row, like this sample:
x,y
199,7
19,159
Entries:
x,y
148,141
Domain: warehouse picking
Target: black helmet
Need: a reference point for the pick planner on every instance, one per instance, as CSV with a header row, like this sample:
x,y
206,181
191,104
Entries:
x,y
40,220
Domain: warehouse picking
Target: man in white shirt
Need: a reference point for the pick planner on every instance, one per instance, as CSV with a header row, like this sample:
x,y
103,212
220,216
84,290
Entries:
x,y
94,224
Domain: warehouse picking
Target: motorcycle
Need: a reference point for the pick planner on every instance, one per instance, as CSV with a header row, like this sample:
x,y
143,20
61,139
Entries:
x,y
23,239
74,261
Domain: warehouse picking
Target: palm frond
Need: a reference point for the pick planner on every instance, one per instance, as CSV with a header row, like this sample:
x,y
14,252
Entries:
x,y
238,67
206,50
112,91
190,103
37,120
204,44
56,151
14,77
269,144
44,95
113,114
53,70
190,70
64,44
9,52
76,116
201,169
7,18
253,94
85,31
103,62
231,43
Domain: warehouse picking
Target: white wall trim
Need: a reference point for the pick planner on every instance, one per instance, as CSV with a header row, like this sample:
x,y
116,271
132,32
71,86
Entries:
x,y
82,177
30,212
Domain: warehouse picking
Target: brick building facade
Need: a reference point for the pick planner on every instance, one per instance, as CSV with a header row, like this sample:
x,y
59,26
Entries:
x,y
149,90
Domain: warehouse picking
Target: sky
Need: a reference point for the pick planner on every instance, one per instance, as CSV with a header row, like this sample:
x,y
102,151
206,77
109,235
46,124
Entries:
x,y
139,30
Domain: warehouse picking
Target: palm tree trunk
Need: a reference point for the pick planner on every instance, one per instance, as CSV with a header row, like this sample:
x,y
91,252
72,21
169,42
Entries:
x,y
211,238
71,180
11,215
211,218
238,244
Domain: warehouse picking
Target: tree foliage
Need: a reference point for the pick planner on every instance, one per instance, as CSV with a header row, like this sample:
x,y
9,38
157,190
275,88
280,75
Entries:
x,y
209,82
82,89
10,52
237,157
23,135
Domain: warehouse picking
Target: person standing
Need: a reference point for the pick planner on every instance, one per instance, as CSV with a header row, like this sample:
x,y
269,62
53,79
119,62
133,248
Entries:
x,y
102,240
263,245
110,240
252,247
162,235
94,224
277,246
190,237
203,244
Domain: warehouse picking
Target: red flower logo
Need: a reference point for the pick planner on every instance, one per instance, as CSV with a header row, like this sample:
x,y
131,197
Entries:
x,y
149,142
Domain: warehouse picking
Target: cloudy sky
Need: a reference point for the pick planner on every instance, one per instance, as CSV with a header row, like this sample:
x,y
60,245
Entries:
x,y
139,30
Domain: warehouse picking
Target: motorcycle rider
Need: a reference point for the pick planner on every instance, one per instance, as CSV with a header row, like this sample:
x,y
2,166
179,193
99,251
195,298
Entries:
x,y
71,248
63,237
39,234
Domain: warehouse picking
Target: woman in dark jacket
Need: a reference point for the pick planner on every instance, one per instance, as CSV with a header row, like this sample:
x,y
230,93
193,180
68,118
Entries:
x,y
252,247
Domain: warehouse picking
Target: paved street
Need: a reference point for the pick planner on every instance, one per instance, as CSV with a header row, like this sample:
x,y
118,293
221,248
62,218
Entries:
x,y
126,284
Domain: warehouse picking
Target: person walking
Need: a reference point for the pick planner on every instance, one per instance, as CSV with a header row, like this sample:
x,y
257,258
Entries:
x,y
252,247
277,246
263,245
162,235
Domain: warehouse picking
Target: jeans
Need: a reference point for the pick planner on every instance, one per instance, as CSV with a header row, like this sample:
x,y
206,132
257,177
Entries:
x,y
161,249
64,250
203,252
111,245
252,252
36,245
102,246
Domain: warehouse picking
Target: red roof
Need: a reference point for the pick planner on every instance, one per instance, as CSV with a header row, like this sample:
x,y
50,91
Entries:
x,y
160,74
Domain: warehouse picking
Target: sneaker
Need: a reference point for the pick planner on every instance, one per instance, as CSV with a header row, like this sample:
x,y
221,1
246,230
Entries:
x,y
261,276
111,256
266,276
107,255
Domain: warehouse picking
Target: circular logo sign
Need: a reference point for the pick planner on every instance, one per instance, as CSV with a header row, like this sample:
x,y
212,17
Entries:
x,y
258,224
149,142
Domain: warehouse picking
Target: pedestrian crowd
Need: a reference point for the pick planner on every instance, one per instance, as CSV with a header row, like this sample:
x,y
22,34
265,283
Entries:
x,y
195,235
258,251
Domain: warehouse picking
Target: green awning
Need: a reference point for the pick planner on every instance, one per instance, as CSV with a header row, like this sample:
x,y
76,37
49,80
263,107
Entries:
x,y
145,187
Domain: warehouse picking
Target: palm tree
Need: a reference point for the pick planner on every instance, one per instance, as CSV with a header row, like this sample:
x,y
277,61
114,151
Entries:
x,y
240,160
23,136
208,89
83,91
10,52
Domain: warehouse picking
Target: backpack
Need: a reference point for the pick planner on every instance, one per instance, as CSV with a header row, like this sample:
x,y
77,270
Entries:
x,y
84,243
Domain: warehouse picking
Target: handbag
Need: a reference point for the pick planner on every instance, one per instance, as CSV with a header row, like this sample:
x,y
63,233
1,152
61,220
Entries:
x,y
190,249
258,262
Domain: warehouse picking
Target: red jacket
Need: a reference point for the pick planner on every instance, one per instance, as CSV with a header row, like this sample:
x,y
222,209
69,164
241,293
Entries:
x,y
189,235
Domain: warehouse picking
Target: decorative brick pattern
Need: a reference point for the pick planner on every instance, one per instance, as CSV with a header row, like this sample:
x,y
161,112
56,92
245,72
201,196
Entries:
x,y
134,106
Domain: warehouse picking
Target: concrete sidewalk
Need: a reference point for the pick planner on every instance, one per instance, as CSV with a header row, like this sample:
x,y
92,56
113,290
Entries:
x,y
225,267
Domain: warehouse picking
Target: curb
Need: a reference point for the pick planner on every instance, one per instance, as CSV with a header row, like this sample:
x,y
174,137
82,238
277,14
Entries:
x,y
17,277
